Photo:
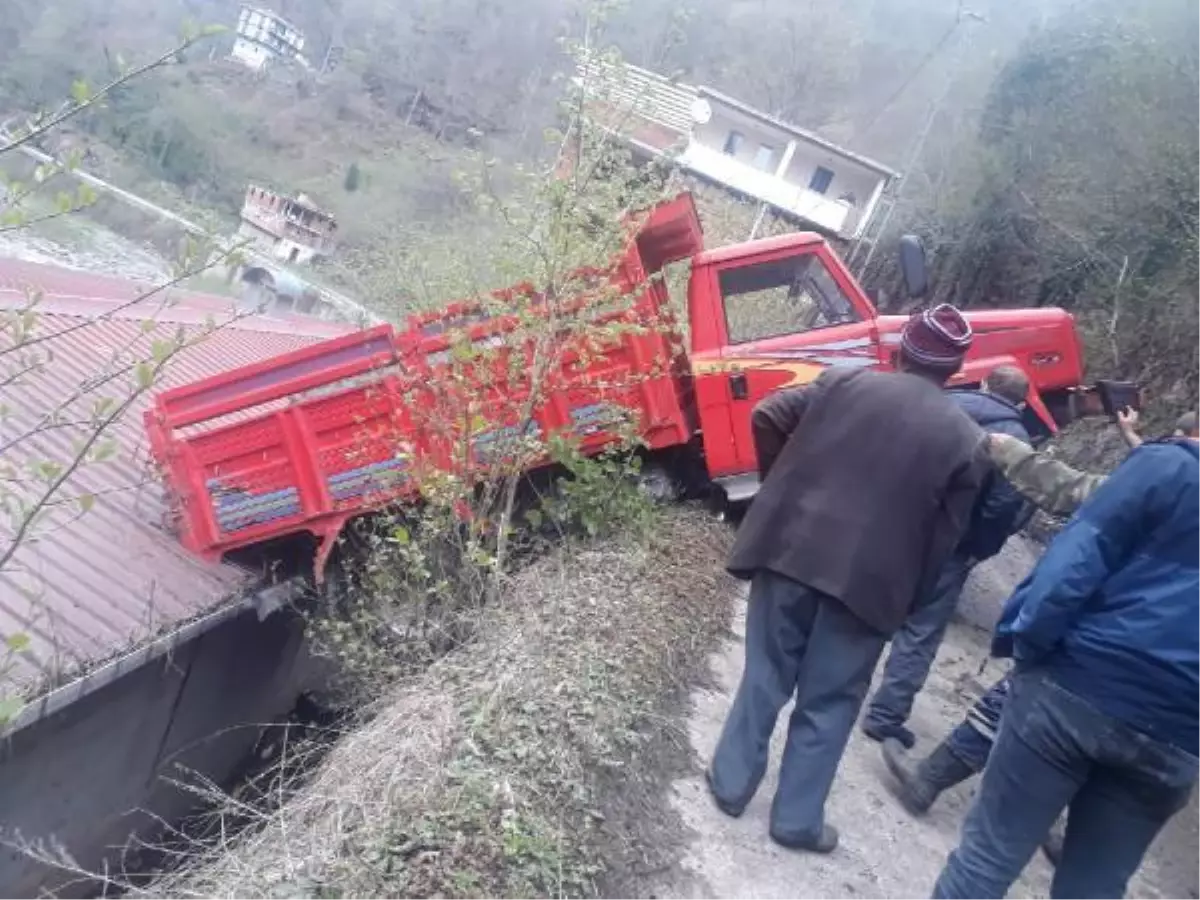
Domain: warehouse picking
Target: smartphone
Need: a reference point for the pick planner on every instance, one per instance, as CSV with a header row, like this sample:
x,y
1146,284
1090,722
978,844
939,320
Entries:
x,y
1118,395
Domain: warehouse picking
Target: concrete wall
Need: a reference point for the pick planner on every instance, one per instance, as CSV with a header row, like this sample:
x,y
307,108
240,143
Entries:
x,y
848,177
715,132
78,776
251,54
278,247
259,240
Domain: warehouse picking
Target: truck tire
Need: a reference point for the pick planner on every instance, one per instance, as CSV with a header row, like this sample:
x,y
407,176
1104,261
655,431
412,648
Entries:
x,y
657,483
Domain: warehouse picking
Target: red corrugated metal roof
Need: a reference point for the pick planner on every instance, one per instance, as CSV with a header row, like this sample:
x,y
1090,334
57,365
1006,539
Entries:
x,y
95,584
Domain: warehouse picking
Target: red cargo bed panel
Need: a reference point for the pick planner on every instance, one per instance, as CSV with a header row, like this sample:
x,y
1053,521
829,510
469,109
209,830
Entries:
x,y
304,441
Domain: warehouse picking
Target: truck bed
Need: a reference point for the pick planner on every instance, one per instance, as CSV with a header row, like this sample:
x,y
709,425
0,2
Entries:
x,y
305,441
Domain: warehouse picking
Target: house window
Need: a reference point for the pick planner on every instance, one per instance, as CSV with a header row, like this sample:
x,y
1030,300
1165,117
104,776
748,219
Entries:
x,y
765,158
733,143
820,181
785,296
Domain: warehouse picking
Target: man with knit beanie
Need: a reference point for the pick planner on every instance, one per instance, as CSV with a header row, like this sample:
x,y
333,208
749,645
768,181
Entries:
x,y
868,482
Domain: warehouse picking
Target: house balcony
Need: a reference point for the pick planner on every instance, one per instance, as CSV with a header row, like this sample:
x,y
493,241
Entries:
x,y
280,226
822,212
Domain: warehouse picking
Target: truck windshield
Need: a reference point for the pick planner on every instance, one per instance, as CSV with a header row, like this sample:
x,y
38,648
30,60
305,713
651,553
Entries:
x,y
784,296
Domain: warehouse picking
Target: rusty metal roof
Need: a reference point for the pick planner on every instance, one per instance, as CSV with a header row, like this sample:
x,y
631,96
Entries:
x,y
90,585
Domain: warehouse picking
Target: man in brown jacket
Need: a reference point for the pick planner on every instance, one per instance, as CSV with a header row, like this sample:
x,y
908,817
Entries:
x,y
868,480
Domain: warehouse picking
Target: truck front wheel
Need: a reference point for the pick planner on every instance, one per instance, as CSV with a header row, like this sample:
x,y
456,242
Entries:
x,y
658,483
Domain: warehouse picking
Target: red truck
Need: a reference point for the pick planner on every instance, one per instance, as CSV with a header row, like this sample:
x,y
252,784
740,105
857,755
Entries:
x,y
299,444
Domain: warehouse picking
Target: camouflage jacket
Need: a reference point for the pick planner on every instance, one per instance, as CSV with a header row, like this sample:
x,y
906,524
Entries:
x,y
1054,486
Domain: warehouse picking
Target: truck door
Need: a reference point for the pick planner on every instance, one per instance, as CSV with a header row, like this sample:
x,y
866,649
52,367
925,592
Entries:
x,y
785,319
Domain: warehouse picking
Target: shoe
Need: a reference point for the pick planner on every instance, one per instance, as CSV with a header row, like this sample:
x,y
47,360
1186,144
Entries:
x,y
880,733
723,805
917,786
825,842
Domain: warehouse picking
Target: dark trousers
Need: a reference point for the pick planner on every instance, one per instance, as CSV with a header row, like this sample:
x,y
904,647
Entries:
x,y
1055,750
971,741
798,642
915,646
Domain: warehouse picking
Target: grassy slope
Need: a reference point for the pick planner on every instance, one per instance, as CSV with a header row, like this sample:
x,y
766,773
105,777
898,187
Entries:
x,y
530,762
228,128
284,133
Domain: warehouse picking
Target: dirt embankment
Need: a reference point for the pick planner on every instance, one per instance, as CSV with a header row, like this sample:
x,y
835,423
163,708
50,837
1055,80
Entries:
x,y
530,762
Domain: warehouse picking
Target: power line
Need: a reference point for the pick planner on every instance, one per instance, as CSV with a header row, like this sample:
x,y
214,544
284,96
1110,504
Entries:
x,y
918,145
960,16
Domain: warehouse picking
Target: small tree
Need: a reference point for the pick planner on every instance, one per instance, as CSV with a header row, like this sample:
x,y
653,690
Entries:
x,y
353,177
550,230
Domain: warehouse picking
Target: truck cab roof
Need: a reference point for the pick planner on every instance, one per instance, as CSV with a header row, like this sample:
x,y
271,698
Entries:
x,y
752,248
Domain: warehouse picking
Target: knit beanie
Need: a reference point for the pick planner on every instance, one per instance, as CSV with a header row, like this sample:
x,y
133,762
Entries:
x,y
936,339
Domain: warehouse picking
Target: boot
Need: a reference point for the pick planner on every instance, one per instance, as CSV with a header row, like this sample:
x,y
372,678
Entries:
x,y
722,804
919,785
824,842
881,733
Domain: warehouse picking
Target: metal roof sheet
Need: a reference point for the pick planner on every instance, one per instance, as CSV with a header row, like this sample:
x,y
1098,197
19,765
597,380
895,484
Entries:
x,y
638,90
95,584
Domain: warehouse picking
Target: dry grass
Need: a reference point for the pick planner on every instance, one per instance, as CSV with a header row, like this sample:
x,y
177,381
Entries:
x,y
531,762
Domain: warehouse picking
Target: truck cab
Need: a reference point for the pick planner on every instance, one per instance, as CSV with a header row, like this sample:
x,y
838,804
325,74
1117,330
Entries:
x,y
775,313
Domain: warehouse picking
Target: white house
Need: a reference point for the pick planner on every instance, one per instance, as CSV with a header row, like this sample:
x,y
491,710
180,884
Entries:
x,y
263,37
723,140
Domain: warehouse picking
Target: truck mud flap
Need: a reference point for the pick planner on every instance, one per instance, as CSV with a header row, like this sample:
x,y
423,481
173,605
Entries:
x,y
739,488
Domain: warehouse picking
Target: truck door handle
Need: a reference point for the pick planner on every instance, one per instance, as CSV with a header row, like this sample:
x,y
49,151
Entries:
x,y
738,388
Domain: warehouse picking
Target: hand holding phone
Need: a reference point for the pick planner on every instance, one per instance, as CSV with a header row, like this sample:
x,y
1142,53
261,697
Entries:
x,y
1119,395
1127,422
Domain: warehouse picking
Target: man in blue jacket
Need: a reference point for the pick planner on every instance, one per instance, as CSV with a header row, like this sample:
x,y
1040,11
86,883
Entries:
x,y
999,511
1102,716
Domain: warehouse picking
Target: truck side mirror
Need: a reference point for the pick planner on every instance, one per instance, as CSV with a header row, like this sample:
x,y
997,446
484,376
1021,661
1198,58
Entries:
x,y
913,266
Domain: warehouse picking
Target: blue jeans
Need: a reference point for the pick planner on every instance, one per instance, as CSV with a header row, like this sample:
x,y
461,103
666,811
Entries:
x,y
915,645
798,642
1056,750
971,741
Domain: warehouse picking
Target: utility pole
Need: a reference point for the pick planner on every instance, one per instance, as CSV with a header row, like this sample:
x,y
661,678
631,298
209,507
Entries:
x,y
758,220
336,45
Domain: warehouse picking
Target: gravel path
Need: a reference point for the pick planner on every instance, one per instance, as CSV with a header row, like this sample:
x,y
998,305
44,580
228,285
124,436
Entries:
x,y
883,852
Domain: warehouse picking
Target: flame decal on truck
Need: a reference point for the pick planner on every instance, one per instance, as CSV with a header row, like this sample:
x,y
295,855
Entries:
x,y
803,365
801,372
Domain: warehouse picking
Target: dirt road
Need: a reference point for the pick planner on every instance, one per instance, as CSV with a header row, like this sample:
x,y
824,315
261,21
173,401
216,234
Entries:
x,y
883,852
